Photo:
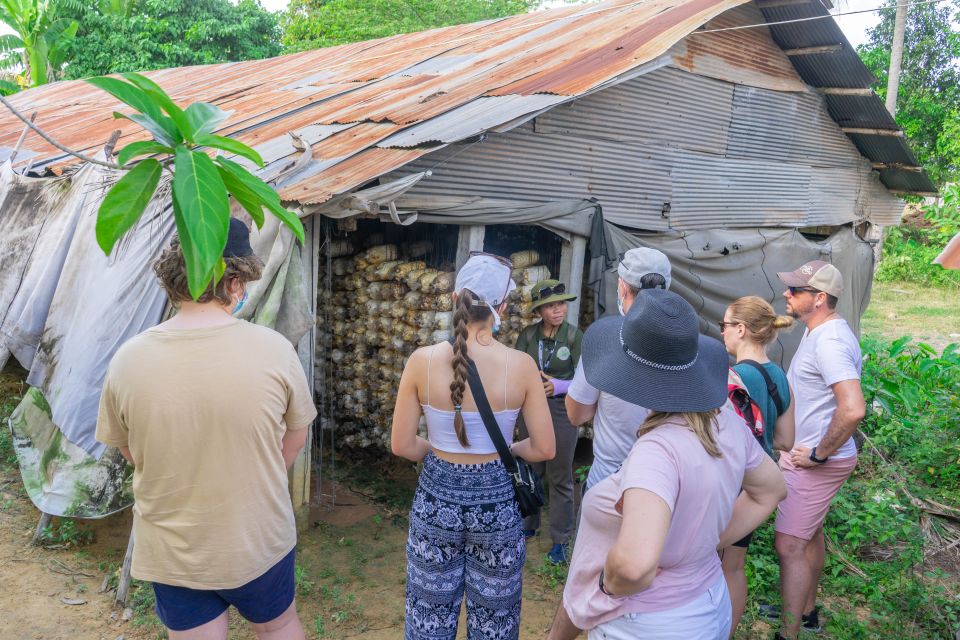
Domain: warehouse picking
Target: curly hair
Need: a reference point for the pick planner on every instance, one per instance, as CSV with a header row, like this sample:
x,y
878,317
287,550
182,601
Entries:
x,y
171,270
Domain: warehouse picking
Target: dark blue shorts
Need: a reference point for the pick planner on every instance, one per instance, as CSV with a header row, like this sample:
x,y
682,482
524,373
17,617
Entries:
x,y
260,600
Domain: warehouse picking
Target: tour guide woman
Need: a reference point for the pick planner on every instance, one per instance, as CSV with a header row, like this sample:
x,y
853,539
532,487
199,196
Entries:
x,y
645,564
465,533
555,346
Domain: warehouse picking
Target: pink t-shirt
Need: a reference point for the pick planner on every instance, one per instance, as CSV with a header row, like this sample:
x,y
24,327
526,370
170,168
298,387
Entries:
x,y
700,491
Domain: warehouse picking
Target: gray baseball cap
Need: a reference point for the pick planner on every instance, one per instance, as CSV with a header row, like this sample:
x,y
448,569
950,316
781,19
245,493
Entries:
x,y
636,263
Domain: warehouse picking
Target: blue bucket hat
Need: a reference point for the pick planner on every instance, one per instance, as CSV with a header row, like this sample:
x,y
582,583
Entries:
x,y
655,356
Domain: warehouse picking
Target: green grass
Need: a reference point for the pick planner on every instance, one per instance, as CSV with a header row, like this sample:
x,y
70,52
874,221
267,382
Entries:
x,y
928,314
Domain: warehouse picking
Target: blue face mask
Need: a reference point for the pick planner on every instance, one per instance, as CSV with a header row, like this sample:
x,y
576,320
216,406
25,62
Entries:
x,y
243,301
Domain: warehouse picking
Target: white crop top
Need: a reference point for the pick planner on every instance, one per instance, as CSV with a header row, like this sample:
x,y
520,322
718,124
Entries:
x,y
443,437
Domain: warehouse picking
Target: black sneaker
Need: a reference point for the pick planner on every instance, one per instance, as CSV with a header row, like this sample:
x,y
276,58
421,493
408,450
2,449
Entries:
x,y
811,621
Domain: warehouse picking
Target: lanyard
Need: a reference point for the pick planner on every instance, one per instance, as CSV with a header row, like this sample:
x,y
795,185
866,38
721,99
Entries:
x,y
553,349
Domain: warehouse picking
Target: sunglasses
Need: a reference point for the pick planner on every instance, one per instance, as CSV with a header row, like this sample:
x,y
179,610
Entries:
x,y
723,325
504,261
546,292
795,290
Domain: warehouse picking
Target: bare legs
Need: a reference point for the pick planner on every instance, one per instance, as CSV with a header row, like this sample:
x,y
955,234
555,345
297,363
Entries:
x,y
801,562
732,559
562,628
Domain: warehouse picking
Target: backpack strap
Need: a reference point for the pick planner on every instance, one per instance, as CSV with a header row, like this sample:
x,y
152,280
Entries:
x,y
772,389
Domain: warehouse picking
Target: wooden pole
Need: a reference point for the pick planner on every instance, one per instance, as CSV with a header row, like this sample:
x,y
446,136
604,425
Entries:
x,y
23,136
45,520
123,584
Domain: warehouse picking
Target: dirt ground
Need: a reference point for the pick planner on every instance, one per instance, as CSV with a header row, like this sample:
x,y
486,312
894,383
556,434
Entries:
x,y
351,560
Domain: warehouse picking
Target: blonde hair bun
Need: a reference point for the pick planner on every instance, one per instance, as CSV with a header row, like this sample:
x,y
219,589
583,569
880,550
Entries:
x,y
783,322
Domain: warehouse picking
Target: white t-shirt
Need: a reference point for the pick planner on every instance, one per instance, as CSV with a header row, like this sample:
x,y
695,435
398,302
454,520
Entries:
x,y
827,355
614,426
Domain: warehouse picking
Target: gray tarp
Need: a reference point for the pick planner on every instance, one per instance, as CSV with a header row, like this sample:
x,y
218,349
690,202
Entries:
x,y
65,308
713,268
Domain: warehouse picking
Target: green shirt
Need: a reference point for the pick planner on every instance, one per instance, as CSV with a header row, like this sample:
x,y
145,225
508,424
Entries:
x,y
557,356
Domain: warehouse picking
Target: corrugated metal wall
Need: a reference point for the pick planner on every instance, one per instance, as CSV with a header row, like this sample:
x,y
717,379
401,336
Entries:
x,y
672,149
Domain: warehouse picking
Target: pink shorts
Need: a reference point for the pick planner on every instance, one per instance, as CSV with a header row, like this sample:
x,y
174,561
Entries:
x,y
809,493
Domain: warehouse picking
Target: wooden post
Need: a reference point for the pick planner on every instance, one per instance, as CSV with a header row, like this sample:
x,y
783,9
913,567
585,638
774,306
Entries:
x,y
299,475
23,136
45,519
123,584
572,258
470,239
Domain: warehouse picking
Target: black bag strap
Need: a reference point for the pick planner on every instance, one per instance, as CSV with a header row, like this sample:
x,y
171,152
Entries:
x,y
772,389
489,421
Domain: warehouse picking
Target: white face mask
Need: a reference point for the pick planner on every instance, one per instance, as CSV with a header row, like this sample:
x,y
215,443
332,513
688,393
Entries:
x,y
620,302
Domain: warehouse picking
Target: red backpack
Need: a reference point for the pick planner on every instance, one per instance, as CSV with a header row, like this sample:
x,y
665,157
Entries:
x,y
744,405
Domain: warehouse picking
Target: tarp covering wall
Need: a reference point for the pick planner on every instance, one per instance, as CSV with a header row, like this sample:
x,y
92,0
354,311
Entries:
x,y
65,309
713,268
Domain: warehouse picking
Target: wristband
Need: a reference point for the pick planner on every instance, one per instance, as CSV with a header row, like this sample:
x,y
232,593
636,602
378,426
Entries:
x,y
814,458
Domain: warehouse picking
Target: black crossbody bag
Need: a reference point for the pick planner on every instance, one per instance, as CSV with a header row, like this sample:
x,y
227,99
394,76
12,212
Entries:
x,y
527,485
772,390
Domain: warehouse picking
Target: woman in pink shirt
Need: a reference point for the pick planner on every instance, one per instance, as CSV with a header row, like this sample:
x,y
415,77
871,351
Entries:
x,y
645,563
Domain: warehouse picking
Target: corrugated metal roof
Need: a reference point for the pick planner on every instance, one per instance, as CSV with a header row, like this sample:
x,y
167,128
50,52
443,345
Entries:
x,y
667,107
742,56
773,124
859,111
841,69
675,138
406,89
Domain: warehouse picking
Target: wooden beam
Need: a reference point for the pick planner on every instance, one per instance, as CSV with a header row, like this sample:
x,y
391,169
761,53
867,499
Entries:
x,y
572,259
927,194
844,91
893,133
470,239
773,4
812,51
897,167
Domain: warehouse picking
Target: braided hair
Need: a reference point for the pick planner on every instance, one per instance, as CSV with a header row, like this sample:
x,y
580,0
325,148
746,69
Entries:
x,y
466,310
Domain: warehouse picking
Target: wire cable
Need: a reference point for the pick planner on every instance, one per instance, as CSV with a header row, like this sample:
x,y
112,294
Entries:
x,y
823,17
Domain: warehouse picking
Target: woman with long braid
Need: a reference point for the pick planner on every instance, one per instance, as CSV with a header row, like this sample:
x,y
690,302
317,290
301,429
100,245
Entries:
x,y
465,526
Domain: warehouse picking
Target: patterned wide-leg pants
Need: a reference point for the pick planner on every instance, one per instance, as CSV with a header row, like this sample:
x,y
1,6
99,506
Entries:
x,y
465,537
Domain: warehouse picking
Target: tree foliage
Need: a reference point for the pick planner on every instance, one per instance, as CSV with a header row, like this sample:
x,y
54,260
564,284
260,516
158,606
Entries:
x,y
36,50
116,36
310,24
928,106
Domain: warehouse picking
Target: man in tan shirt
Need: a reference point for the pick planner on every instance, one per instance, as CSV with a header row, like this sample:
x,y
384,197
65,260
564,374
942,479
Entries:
x,y
211,411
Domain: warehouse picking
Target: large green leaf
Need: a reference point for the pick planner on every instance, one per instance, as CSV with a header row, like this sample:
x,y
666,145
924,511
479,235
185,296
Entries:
x,y
231,145
166,103
205,117
143,148
125,203
266,193
10,41
201,198
249,200
129,95
164,132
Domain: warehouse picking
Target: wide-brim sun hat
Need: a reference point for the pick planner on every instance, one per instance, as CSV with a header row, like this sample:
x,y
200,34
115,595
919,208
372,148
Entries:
x,y
551,285
655,356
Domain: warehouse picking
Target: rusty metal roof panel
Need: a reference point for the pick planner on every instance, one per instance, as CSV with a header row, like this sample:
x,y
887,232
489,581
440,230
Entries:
x,y
740,56
410,80
468,120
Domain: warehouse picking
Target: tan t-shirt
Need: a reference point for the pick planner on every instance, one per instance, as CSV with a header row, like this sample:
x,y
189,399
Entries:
x,y
203,412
